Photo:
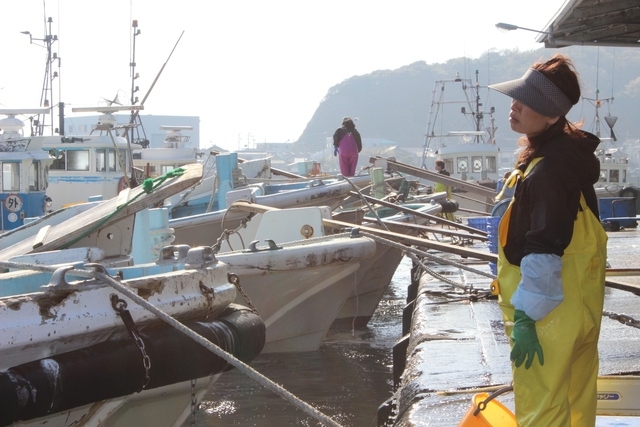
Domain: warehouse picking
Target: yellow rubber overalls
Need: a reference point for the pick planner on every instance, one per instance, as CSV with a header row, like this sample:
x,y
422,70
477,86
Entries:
x,y
439,187
562,392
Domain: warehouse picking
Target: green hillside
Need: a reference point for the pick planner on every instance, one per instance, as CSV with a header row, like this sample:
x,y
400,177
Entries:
x,y
394,105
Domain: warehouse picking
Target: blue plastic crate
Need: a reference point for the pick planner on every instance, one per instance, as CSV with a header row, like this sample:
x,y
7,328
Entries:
x,y
479,223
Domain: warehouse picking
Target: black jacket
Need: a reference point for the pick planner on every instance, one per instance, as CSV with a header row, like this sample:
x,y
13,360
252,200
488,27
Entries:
x,y
547,201
342,131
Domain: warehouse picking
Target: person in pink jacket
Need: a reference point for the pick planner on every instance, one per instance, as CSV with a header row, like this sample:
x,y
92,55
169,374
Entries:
x,y
348,143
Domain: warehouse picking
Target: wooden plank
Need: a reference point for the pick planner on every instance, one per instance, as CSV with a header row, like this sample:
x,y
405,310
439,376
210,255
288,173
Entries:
x,y
105,214
415,241
42,234
437,177
396,237
427,229
423,215
623,272
628,287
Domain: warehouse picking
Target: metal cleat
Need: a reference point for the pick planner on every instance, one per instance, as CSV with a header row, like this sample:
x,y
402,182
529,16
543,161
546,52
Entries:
x,y
200,257
173,253
253,246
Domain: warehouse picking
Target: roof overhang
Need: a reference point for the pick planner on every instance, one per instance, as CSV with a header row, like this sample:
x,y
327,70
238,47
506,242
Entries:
x,y
594,23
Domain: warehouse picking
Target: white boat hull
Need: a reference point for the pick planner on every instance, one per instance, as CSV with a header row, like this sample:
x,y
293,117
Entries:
x,y
298,290
163,406
66,356
205,229
376,272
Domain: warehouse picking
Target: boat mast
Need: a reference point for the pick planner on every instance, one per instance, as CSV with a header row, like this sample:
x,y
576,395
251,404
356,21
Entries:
x,y
478,116
476,112
39,124
134,99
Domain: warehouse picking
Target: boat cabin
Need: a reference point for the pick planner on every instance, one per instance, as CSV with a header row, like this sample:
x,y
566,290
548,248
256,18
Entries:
x,y
175,153
23,181
471,162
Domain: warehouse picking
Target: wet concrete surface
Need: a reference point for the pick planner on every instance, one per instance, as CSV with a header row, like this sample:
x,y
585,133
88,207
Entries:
x,y
457,347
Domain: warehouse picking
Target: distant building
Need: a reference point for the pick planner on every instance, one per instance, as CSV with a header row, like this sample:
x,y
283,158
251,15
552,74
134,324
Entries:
x,y
150,129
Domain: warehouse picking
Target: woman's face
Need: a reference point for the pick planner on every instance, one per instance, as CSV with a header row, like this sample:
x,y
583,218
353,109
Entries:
x,y
525,120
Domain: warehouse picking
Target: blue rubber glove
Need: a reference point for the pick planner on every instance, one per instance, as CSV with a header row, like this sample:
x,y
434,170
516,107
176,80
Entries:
x,y
525,341
335,151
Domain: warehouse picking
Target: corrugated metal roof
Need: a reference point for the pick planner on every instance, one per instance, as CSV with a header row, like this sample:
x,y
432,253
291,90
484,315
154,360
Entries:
x,y
594,23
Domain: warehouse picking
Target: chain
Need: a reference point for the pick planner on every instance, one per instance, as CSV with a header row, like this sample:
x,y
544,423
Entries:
x,y
194,403
120,306
233,278
208,293
622,318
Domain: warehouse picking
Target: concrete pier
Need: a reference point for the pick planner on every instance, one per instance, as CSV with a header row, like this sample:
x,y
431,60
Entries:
x,y
454,344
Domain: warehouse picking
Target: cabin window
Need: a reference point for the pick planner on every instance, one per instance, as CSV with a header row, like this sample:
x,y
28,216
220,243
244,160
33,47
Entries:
x,y
492,164
34,175
10,176
463,164
603,176
101,160
624,175
476,163
60,163
106,160
78,160
614,175
114,163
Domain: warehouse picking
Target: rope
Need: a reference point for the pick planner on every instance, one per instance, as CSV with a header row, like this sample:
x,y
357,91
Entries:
x,y
214,189
355,291
238,364
412,252
439,260
193,187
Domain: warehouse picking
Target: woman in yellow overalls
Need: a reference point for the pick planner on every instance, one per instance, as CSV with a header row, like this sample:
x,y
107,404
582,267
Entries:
x,y
552,252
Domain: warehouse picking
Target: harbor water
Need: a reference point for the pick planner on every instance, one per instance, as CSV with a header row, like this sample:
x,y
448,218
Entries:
x,y
346,379
351,375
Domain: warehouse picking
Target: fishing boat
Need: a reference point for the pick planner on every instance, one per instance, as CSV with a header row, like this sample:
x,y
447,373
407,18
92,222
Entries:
x,y
297,285
23,181
375,273
296,276
81,350
614,162
81,166
201,220
74,294
469,154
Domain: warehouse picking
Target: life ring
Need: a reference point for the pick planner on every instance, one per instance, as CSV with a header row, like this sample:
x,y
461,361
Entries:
x,y
629,192
122,184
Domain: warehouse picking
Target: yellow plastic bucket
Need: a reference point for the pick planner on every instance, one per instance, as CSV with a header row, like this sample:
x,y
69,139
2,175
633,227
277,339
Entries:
x,y
490,414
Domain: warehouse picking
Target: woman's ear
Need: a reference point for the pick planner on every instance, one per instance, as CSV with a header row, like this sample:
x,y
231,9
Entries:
x,y
552,120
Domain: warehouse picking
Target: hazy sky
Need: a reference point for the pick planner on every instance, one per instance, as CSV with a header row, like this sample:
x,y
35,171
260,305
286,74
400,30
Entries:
x,y
252,69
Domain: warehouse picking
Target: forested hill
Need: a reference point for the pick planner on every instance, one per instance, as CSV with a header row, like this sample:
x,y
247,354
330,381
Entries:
x,y
394,105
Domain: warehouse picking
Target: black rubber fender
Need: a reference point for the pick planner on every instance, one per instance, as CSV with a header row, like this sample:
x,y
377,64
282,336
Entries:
x,y
114,368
